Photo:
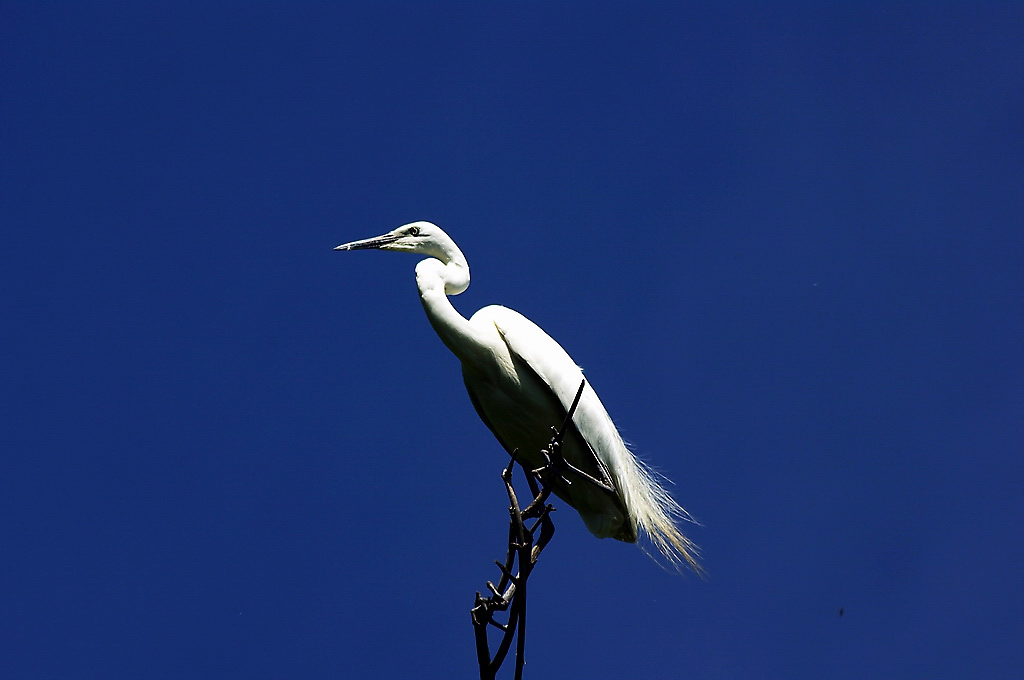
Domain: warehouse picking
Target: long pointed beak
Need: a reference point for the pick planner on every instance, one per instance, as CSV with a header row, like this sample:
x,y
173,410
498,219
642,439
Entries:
x,y
367,243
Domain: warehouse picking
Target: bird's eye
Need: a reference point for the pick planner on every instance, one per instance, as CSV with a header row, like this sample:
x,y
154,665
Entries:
x,y
414,231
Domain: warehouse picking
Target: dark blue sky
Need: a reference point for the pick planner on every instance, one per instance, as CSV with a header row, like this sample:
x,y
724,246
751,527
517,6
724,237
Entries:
x,y
786,243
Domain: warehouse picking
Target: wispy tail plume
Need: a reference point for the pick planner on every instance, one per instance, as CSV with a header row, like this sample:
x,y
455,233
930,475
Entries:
x,y
655,513
658,515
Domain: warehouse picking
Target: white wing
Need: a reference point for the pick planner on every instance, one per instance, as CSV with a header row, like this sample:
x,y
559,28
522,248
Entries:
x,y
648,506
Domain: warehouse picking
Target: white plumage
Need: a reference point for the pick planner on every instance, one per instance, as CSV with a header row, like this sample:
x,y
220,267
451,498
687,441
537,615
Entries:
x,y
522,383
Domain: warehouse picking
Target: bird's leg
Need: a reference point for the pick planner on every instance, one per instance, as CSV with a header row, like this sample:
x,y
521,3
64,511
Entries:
x,y
555,466
602,485
546,475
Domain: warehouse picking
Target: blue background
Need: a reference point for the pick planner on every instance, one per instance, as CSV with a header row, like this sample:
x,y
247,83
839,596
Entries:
x,y
785,242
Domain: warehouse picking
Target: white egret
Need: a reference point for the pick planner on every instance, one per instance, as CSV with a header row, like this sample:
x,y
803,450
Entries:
x,y
521,383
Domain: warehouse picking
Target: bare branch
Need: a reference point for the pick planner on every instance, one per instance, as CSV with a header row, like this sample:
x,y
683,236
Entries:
x,y
524,548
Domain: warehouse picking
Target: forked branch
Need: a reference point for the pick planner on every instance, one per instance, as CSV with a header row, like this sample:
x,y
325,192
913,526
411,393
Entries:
x,y
525,544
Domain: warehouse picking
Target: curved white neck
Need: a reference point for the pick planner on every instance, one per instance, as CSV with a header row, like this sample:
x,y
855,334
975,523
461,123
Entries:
x,y
444,274
447,268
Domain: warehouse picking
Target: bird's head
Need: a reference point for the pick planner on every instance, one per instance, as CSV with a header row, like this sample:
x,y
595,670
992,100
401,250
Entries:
x,y
424,238
447,265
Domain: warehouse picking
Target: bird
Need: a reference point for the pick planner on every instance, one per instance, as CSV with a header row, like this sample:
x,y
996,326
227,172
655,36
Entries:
x,y
521,383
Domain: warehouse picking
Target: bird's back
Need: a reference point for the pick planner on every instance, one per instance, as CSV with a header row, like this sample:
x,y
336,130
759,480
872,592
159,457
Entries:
x,y
527,390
